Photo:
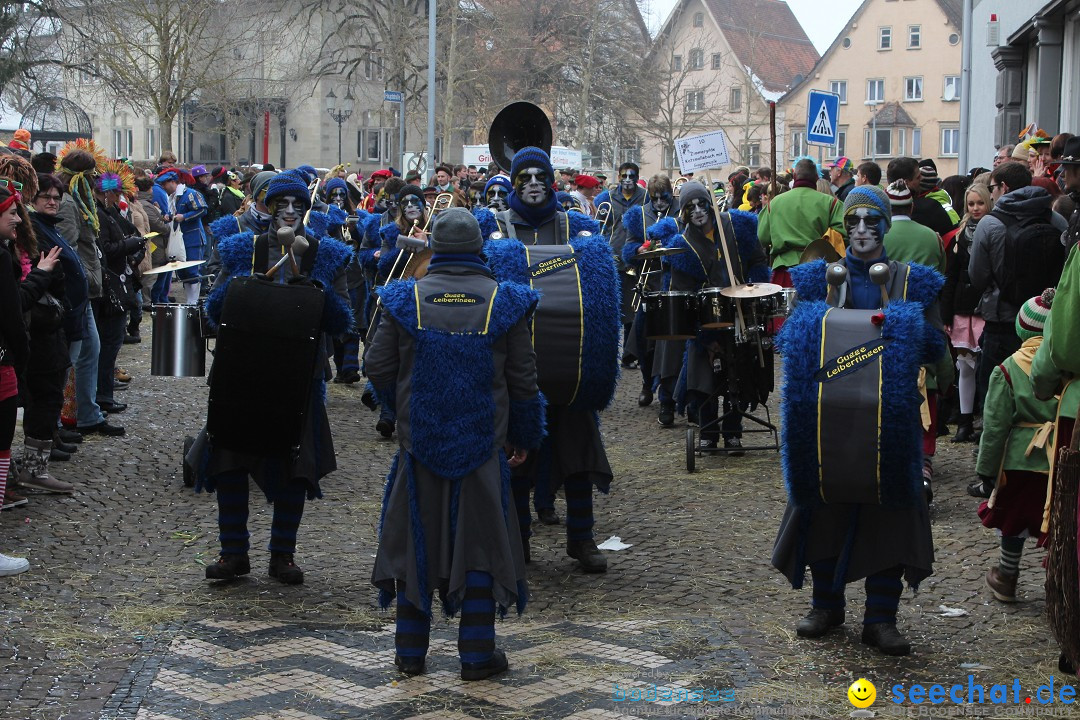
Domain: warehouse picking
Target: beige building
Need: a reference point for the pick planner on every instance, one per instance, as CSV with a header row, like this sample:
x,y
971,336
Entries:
x,y
720,62
896,68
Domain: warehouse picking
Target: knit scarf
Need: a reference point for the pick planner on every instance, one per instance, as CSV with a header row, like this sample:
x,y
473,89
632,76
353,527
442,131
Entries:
x,y
535,216
82,192
812,184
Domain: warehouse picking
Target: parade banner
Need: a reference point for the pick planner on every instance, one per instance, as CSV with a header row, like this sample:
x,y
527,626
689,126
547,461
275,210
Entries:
x,y
708,151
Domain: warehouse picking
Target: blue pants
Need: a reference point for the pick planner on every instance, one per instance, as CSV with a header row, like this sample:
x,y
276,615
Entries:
x,y
84,358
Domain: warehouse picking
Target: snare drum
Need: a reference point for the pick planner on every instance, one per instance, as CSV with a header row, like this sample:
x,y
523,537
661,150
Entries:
x,y
178,348
715,310
671,315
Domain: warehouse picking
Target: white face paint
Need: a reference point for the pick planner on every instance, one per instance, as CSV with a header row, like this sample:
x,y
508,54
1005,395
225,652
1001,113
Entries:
x,y
700,217
661,202
862,229
533,186
497,197
288,212
338,198
628,180
413,208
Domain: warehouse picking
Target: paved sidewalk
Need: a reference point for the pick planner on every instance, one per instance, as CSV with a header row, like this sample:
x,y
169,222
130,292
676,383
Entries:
x,y
115,620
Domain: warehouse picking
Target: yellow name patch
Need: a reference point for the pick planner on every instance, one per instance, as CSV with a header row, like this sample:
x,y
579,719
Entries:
x,y
851,361
451,298
555,264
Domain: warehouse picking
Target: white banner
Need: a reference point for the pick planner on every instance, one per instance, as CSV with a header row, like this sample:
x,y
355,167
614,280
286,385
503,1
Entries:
x,y
477,155
707,151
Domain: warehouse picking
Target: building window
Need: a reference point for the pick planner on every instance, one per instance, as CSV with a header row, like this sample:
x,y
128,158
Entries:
x,y
846,43
369,145
951,90
914,37
735,100
901,141
695,101
151,144
697,59
122,142
916,142
954,39
875,90
912,89
751,153
717,61
676,63
798,144
840,88
373,65
671,157
950,141
699,19
882,145
885,38
841,141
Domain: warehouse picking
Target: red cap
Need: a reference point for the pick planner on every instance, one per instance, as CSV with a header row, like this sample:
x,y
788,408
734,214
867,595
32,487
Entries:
x,y
380,174
586,181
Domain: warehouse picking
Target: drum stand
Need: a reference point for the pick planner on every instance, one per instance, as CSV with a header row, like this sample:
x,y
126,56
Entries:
x,y
733,395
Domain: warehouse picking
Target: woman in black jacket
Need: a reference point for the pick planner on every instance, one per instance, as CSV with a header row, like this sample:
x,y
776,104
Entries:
x,y
116,243
959,301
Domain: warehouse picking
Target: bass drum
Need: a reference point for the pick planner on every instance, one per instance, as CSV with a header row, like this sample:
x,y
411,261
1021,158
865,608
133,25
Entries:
x,y
671,315
178,348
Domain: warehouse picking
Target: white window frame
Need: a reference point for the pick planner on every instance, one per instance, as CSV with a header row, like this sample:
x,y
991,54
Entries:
x,y
695,101
676,63
881,132
901,141
950,141
913,88
953,80
751,152
840,88
840,148
697,59
884,38
151,143
916,142
798,144
735,100
374,68
875,83
717,61
699,19
914,34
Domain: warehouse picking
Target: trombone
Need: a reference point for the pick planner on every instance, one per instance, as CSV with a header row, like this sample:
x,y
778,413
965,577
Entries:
x,y
442,202
605,208
677,185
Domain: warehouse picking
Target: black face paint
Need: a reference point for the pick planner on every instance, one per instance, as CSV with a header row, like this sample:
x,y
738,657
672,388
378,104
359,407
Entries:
x,y
862,228
698,213
533,186
288,212
628,180
413,208
496,198
661,203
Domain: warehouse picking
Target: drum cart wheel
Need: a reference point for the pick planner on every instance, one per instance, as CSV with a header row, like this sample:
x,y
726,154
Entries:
x,y
691,450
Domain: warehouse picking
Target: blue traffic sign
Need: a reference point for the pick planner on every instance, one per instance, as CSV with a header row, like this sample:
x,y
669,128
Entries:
x,y
822,117
391,96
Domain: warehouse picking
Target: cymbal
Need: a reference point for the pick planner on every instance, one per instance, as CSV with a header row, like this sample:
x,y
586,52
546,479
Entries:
x,y
174,265
751,290
659,252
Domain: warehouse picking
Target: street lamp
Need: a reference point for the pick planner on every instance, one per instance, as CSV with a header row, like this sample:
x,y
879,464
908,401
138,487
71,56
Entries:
x,y
873,105
339,115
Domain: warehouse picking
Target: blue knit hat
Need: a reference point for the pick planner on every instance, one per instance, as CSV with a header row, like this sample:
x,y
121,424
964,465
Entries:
x,y
531,157
872,197
500,180
308,173
564,197
287,183
336,183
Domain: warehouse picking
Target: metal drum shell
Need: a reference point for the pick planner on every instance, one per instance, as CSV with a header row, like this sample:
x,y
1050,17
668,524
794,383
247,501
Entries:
x,y
178,348
715,310
671,315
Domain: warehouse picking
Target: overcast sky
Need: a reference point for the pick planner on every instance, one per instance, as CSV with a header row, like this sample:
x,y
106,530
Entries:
x,y
821,21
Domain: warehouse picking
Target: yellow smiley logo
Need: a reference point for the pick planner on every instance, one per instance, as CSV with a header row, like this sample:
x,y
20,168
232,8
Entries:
x,y
862,693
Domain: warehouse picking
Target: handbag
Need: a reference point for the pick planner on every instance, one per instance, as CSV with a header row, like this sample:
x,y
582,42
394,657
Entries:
x,y
114,293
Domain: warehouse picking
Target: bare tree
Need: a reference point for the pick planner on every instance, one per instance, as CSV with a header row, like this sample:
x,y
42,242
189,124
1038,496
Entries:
x,y
160,55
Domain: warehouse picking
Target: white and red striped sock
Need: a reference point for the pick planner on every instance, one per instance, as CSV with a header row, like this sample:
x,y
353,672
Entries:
x,y
5,465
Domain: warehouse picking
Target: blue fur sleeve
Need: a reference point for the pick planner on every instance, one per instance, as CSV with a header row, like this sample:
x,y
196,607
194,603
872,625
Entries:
x,y
686,262
809,280
388,234
663,231
318,223
750,251
371,229
634,225
629,251
330,261
224,226
528,422
487,221
235,252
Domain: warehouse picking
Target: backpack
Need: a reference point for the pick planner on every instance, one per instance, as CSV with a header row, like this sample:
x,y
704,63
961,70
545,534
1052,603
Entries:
x,y
1033,258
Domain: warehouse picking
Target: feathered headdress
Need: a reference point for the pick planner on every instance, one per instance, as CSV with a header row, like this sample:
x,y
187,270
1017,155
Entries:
x,y
79,162
116,176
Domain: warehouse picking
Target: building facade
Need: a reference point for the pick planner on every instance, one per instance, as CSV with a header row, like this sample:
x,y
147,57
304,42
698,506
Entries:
x,y
896,67
722,62
1025,68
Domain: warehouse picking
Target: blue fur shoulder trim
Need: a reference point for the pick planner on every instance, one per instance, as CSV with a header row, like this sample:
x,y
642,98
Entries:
x,y
924,284
809,281
225,226
634,225
332,257
579,223
371,228
487,221
336,215
235,252
318,223
686,262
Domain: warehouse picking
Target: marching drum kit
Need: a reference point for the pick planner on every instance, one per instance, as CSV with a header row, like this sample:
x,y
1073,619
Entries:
x,y
180,332
748,311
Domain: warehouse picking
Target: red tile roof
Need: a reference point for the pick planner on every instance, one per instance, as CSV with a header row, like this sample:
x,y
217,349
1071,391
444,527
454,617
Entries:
x,y
767,38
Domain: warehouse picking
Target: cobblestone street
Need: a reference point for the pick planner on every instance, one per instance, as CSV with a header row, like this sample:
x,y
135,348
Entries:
x,y
115,618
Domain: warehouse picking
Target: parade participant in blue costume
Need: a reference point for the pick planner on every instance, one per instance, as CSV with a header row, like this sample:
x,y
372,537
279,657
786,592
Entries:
x,y
703,266
853,467
573,456
636,222
625,196
446,522
255,219
286,483
186,211
497,193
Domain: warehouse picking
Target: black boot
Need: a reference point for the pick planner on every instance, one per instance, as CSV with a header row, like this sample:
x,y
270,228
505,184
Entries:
x,y
886,638
819,622
666,418
965,430
228,567
645,397
586,553
484,670
410,666
284,569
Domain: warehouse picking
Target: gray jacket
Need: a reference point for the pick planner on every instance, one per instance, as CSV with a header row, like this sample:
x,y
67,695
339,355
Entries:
x,y
80,236
988,248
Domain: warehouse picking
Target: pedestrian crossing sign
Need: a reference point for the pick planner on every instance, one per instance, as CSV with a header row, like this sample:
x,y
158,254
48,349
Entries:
x,y
822,115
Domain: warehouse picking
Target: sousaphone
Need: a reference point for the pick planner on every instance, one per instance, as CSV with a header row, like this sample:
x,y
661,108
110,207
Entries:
x,y
518,125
